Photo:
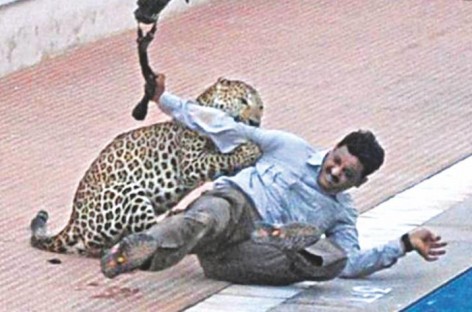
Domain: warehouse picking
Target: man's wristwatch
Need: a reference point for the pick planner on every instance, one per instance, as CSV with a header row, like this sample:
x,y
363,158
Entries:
x,y
406,242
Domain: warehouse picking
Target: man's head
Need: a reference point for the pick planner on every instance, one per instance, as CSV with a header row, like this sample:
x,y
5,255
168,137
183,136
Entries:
x,y
350,162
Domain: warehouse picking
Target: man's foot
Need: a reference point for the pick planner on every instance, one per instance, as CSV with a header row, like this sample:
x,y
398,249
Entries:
x,y
128,255
292,236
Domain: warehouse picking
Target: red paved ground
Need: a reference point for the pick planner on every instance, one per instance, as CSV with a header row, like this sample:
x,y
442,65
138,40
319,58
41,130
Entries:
x,y
323,68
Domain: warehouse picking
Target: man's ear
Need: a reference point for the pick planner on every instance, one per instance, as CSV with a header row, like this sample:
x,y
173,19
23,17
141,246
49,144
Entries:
x,y
362,181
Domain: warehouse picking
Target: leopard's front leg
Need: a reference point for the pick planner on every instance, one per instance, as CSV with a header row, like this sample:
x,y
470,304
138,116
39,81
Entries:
x,y
245,155
201,161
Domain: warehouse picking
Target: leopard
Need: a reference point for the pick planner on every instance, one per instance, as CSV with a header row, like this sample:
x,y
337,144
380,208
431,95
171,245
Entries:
x,y
142,174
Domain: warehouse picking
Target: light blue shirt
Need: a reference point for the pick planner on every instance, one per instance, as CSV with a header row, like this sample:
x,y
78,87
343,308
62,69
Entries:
x,y
283,182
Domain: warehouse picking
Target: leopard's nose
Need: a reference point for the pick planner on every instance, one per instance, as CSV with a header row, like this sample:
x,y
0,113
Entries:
x,y
254,123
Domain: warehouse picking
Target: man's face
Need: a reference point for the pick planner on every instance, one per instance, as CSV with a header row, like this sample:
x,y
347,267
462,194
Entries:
x,y
340,171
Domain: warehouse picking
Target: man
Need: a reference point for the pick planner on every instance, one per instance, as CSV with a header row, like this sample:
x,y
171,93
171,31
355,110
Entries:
x,y
292,184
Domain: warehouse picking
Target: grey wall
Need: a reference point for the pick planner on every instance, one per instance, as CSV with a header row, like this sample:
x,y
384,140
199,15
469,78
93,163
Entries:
x,y
31,30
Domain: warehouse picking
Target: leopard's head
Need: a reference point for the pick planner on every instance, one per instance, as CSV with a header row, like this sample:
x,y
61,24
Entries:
x,y
235,97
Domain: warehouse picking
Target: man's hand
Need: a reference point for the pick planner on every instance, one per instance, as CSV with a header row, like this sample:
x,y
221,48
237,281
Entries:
x,y
160,87
427,244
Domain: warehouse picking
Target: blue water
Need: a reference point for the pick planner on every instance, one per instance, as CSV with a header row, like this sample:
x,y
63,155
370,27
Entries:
x,y
454,296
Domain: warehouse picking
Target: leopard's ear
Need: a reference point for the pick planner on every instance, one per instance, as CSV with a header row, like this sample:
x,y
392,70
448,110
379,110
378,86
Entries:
x,y
220,83
223,81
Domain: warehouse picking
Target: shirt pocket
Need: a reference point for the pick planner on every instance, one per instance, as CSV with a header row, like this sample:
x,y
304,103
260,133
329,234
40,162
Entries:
x,y
282,178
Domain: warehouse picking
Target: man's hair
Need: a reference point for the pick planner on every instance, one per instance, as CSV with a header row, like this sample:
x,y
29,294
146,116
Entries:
x,y
366,148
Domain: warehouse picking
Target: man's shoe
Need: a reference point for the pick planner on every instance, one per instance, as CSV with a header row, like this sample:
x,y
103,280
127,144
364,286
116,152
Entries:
x,y
128,255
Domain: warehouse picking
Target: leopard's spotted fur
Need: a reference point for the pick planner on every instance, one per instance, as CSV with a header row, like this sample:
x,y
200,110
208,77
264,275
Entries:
x,y
143,173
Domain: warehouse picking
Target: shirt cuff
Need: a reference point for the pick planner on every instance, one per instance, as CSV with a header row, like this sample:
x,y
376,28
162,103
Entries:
x,y
169,103
397,246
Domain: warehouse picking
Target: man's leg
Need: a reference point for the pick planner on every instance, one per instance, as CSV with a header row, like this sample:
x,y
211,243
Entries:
x,y
254,263
208,222
206,219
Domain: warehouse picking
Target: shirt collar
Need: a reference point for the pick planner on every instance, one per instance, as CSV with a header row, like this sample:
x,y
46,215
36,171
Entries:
x,y
316,158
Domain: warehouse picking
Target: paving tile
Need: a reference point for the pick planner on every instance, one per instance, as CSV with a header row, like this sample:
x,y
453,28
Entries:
x,y
235,303
262,291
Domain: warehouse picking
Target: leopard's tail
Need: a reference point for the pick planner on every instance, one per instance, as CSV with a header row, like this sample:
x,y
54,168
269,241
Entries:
x,y
60,243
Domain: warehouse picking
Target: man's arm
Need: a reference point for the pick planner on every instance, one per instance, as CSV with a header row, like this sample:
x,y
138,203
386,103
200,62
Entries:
x,y
364,262
214,123
226,133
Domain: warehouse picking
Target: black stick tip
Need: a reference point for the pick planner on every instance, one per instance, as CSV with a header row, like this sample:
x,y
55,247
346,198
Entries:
x,y
140,111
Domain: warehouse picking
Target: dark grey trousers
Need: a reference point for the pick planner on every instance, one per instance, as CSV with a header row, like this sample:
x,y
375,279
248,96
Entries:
x,y
217,227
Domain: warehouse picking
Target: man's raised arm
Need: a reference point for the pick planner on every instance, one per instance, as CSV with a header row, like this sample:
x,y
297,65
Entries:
x,y
221,128
216,124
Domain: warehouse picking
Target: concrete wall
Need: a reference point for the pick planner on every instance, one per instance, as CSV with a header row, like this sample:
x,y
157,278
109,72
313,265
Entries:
x,y
31,30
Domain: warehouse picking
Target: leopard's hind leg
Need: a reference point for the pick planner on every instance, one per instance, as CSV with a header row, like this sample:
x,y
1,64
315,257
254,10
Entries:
x,y
130,210
98,222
